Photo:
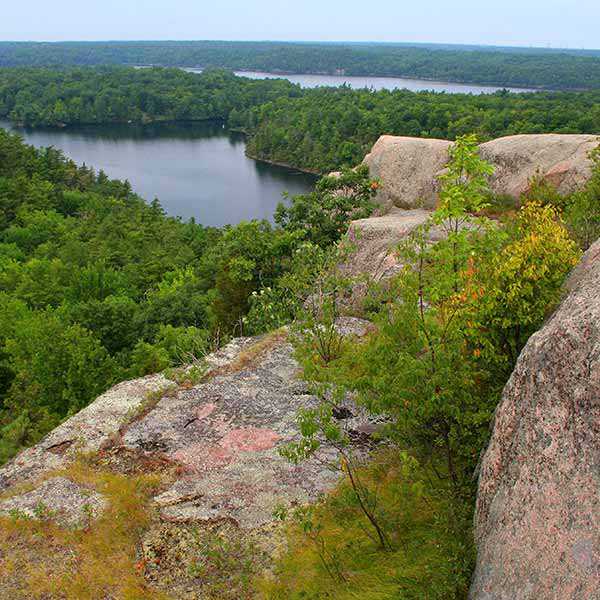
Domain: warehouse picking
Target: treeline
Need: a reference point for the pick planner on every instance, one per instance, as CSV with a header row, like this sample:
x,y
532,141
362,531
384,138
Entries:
x,y
326,128
96,286
315,129
559,69
39,96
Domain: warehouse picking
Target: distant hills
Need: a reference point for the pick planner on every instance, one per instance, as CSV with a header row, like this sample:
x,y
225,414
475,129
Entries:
x,y
545,68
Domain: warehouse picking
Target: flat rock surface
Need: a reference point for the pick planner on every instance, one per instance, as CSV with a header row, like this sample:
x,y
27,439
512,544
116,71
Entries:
x,y
59,498
223,435
538,504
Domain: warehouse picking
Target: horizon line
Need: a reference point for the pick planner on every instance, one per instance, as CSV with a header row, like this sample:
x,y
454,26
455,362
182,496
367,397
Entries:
x,y
315,42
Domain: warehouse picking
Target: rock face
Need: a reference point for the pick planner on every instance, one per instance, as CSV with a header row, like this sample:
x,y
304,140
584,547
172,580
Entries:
x,y
374,258
376,239
408,167
87,431
222,435
560,159
538,506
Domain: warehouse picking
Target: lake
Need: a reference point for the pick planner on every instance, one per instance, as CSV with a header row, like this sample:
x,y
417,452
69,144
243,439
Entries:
x,y
196,170
377,83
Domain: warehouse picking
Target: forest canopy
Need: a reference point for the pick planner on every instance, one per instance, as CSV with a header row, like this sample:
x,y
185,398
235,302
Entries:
x,y
97,286
318,129
520,67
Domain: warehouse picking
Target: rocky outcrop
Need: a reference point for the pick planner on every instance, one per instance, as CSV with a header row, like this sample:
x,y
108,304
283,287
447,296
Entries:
x,y
374,257
560,159
538,505
375,240
408,168
221,435
58,498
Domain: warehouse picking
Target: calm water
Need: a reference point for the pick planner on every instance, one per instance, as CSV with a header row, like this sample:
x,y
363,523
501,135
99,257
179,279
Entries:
x,y
377,83
195,169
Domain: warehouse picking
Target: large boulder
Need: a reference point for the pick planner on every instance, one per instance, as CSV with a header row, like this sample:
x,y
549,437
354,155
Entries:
x,y
538,505
560,159
375,241
407,168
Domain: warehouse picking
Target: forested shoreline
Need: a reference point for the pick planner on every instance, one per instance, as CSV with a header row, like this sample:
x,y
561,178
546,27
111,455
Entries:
x,y
317,130
512,67
98,286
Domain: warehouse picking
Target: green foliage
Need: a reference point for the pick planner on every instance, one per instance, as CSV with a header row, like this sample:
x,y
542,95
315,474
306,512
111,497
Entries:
x,y
331,555
97,286
464,183
320,130
323,215
34,96
324,129
311,289
582,210
579,210
459,314
516,288
39,348
530,67
445,342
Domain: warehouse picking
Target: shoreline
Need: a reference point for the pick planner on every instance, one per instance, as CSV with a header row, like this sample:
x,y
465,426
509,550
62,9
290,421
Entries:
x,y
286,165
234,130
519,88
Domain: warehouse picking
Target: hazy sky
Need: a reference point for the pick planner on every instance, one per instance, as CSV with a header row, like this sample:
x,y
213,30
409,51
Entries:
x,y
572,23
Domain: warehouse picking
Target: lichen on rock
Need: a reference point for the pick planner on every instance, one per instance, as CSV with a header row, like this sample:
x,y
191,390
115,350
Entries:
x,y
538,504
58,498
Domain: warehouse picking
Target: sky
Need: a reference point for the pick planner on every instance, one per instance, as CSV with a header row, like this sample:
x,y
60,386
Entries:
x,y
556,23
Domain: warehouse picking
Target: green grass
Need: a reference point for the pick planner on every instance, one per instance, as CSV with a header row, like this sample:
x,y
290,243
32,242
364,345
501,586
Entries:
x,y
335,556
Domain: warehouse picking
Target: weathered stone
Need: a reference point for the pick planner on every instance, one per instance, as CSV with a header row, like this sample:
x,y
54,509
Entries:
x,y
407,168
58,498
98,423
223,435
376,239
226,434
560,159
538,506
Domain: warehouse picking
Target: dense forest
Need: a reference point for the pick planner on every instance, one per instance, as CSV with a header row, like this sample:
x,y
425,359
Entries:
x,y
97,286
314,129
326,128
520,67
118,94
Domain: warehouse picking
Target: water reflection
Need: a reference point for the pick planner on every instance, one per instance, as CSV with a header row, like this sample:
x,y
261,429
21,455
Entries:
x,y
196,169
